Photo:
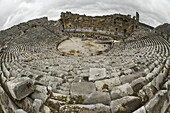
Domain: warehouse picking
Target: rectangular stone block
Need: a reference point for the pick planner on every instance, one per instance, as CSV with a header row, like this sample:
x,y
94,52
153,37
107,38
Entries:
x,y
20,87
97,73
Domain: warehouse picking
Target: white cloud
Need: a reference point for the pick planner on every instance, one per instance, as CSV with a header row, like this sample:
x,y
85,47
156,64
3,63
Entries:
x,y
152,12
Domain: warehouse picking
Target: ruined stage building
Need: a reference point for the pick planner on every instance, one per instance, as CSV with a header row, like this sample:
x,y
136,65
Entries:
x,y
109,25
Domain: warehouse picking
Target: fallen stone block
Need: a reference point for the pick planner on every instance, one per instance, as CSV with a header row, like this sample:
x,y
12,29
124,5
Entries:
x,y
40,93
159,103
26,104
97,73
147,92
121,91
157,70
126,104
159,80
36,105
45,79
128,71
45,109
82,88
98,97
138,84
150,76
20,87
129,78
6,103
5,70
107,84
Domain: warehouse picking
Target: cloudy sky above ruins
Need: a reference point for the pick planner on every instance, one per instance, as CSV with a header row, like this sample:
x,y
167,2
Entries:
x,y
152,12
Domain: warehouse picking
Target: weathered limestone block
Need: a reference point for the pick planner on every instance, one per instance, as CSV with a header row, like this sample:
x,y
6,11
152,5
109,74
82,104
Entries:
x,y
138,84
167,85
126,104
36,105
107,84
159,103
78,79
53,86
6,103
151,67
140,110
115,73
3,78
156,62
20,87
26,104
147,92
82,88
168,62
6,72
159,80
45,109
129,78
53,79
157,70
98,97
150,76
147,71
121,91
94,108
97,73
128,71
52,82
40,93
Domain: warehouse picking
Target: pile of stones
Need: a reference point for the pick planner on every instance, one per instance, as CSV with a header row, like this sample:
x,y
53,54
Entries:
x,y
133,77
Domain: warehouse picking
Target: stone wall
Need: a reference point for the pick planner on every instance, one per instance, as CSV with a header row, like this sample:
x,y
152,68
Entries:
x,y
111,25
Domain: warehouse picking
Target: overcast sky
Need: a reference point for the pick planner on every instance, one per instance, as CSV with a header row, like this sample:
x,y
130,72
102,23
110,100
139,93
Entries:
x,y
152,12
